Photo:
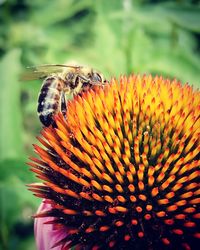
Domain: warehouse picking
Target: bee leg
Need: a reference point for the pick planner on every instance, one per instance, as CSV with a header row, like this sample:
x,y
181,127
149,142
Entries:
x,y
63,106
46,119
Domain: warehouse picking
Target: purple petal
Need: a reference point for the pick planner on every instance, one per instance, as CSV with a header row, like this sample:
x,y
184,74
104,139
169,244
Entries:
x,y
46,235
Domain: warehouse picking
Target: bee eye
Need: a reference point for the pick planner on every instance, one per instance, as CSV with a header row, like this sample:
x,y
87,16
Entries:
x,y
96,77
69,76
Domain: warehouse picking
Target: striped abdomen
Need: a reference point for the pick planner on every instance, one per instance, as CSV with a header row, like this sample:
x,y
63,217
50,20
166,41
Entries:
x,y
49,100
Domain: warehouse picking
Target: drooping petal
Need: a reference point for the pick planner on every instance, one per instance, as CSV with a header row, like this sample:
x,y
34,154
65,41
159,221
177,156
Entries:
x,y
46,235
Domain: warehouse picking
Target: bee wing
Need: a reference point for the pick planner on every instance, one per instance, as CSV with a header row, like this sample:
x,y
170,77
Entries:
x,y
42,71
32,75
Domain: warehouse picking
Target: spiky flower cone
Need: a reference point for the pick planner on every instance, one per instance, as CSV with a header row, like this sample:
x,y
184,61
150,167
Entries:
x,y
123,171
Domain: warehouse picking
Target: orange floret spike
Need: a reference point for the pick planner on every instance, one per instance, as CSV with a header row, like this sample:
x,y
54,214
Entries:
x,y
108,199
107,189
119,177
109,167
154,192
107,178
119,188
121,209
96,185
129,177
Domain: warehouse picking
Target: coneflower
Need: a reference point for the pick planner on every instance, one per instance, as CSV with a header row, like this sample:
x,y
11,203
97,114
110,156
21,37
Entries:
x,y
123,170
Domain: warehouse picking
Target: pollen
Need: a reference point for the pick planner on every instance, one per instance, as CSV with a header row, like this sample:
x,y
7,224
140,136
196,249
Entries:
x,y
122,170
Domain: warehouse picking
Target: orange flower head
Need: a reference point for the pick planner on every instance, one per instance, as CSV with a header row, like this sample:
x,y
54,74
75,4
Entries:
x,y
122,171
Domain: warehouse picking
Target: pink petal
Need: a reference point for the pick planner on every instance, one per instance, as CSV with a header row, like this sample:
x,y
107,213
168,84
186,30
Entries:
x,y
45,234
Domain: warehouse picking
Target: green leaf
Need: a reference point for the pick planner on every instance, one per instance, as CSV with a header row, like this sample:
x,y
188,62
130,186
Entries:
x,y
185,16
177,64
17,167
10,113
148,17
17,204
27,244
57,11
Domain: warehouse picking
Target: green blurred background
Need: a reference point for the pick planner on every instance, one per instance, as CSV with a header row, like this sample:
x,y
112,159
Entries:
x,y
113,36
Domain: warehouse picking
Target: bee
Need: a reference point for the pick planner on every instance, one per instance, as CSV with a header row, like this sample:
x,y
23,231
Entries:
x,y
60,80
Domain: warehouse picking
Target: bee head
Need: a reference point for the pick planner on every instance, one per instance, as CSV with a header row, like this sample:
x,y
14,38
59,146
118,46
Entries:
x,y
97,78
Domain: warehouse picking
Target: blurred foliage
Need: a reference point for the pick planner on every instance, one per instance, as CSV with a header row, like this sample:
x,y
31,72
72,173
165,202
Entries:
x,y
115,36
